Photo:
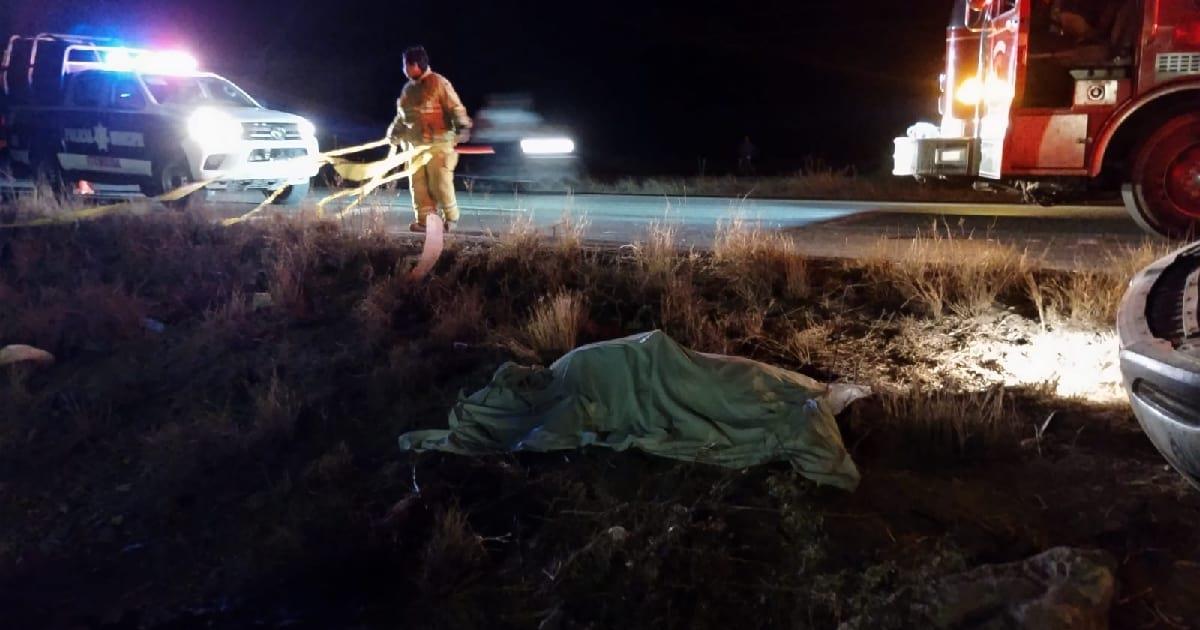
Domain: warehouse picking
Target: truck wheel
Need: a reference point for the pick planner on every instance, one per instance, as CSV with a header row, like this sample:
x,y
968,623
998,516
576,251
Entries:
x,y
1163,194
48,176
293,196
169,176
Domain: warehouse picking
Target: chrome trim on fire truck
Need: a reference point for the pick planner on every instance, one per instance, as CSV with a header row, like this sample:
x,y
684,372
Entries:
x,y
1168,65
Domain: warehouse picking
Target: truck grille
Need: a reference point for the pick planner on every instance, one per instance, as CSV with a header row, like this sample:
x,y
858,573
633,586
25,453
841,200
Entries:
x,y
1171,312
271,131
1178,63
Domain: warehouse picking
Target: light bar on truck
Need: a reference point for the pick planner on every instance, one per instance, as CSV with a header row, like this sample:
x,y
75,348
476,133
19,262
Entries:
x,y
162,62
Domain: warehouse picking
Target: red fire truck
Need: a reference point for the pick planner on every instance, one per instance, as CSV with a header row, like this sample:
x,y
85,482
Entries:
x,y
1063,97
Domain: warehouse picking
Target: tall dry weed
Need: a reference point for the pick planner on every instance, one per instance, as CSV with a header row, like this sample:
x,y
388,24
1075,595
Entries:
x,y
570,234
937,272
292,254
683,315
1090,297
226,318
453,553
946,425
806,345
761,260
658,253
518,243
554,324
276,410
463,317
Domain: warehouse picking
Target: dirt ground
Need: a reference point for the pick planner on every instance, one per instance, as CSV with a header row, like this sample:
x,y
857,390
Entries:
x,y
215,444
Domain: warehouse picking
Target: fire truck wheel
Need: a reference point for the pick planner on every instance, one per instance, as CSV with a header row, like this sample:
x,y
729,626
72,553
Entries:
x,y
293,196
167,177
48,176
1163,194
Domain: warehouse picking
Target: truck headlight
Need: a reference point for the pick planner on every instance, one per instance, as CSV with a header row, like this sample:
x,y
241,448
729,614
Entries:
x,y
307,129
547,146
970,91
213,127
973,91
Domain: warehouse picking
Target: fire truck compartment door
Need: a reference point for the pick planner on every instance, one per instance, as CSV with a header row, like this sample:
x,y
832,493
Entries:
x,y
1048,141
999,71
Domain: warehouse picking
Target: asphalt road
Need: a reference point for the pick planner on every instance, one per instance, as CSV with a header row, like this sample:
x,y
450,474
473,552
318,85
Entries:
x,y
1061,236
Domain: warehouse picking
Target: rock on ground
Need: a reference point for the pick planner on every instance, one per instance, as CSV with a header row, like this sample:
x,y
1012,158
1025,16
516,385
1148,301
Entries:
x,y
1058,589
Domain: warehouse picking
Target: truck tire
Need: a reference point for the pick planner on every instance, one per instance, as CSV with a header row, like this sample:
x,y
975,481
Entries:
x,y
168,176
48,176
293,196
1163,192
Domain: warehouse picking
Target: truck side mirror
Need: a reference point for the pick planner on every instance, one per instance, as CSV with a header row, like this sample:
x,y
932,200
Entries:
x,y
977,11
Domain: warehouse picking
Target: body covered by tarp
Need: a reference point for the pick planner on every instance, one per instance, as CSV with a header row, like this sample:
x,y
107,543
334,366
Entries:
x,y
648,392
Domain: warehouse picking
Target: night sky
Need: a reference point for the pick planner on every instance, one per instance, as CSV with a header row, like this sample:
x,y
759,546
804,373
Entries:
x,y
648,88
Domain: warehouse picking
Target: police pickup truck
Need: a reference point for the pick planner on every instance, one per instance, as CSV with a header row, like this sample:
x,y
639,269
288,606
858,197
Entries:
x,y
82,108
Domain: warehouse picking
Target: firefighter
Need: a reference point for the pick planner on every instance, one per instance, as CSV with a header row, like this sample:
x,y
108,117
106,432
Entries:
x,y
430,113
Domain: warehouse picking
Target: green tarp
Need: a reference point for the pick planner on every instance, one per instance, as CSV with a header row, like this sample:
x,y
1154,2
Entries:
x,y
649,393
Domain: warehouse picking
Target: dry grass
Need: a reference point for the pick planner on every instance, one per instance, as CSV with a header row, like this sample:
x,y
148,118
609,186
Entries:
x,y
684,316
518,243
941,424
288,268
276,410
333,466
223,320
807,345
375,310
658,254
461,318
324,463
1091,297
937,272
761,261
452,555
570,233
554,324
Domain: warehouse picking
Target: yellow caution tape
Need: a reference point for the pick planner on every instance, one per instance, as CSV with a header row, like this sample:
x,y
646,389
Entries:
x,y
373,173
96,212
265,202
422,158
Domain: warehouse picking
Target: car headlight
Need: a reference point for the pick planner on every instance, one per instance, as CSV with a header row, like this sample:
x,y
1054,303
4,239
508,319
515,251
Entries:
x,y
307,129
213,127
547,146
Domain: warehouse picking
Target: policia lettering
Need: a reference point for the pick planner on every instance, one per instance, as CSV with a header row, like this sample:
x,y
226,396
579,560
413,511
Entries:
x,y
430,113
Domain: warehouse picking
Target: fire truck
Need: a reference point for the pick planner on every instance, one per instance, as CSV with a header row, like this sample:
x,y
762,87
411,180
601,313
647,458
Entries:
x,y
1061,98
84,108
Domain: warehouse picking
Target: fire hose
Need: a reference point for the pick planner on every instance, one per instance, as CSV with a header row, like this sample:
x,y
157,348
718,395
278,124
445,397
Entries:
x,y
374,174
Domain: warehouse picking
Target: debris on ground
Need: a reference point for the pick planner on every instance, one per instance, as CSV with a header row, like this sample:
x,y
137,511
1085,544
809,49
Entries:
x,y
1059,589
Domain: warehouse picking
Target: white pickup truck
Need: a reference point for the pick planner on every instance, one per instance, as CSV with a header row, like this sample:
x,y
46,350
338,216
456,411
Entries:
x,y
84,108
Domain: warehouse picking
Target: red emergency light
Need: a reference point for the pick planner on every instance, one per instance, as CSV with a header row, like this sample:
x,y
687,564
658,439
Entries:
x,y
1188,33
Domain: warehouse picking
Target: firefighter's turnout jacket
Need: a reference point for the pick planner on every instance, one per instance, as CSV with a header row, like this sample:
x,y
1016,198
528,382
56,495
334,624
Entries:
x,y
428,111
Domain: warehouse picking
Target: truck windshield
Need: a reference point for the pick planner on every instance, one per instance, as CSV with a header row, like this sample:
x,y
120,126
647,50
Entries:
x,y
177,90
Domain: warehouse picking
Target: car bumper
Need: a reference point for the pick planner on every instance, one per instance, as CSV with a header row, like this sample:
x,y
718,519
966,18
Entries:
x,y
255,165
1162,376
935,157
